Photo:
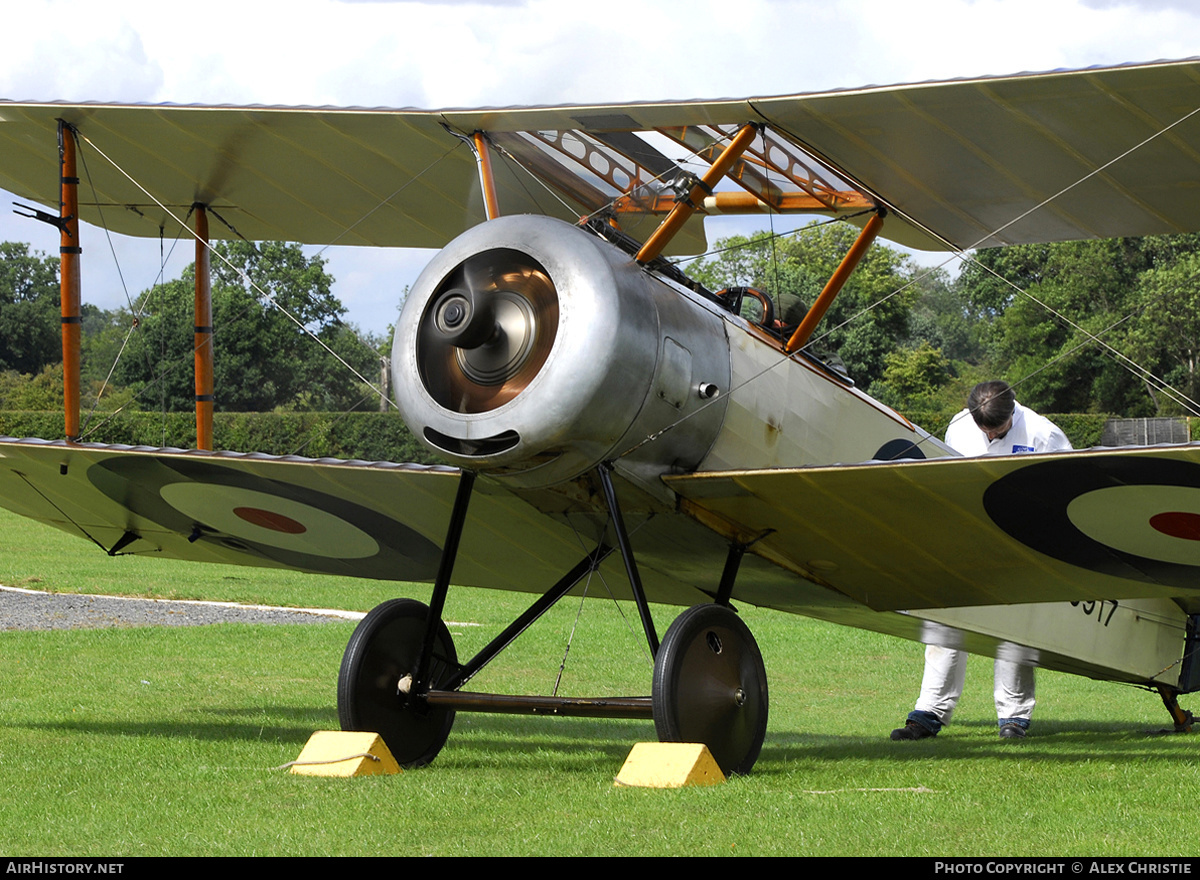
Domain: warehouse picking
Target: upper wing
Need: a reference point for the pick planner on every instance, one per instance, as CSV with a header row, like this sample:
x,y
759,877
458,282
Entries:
x,y
1026,158
979,531
963,163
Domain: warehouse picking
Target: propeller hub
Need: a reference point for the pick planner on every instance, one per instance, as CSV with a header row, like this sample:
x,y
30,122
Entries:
x,y
452,313
487,331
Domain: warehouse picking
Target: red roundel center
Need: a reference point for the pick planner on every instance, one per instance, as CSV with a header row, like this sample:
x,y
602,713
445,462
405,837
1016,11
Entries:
x,y
1177,524
277,522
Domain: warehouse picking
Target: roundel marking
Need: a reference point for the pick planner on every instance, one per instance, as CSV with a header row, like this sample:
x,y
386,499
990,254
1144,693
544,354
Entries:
x,y
1132,517
312,530
265,518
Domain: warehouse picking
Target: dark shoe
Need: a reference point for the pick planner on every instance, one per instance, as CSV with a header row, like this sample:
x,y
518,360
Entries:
x,y
913,730
1012,731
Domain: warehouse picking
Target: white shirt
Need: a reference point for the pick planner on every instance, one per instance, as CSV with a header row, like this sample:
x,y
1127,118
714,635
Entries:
x,y
1029,433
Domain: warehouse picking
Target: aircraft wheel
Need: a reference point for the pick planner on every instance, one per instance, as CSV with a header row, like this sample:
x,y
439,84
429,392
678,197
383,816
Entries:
x,y
710,686
384,649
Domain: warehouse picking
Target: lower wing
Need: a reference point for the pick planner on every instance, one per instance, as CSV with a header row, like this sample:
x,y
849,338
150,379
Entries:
x,y
980,531
932,534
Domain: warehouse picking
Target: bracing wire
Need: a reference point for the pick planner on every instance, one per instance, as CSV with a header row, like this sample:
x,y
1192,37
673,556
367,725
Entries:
x,y
562,666
1092,338
599,572
136,311
963,254
1095,338
261,293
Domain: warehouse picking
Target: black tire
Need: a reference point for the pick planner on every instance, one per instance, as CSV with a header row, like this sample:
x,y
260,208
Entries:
x,y
710,686
385,646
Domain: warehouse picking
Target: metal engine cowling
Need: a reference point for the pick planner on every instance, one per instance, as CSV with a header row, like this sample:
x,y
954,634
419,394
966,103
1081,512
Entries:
x,y
533,350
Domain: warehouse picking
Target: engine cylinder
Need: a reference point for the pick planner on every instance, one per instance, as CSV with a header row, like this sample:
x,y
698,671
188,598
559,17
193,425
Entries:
x,y
531,349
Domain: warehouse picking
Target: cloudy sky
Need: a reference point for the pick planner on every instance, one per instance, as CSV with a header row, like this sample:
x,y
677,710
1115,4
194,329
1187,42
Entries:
x,y
447,53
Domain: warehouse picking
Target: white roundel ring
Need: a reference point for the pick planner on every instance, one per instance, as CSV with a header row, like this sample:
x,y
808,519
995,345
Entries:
x,y
1156,522
269,519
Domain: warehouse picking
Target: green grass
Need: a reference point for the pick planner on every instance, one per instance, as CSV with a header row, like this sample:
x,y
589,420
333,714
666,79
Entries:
x,y
164,741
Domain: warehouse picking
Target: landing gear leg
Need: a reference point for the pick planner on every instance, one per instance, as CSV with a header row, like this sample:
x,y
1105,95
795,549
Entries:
x,y
400,652
1182,717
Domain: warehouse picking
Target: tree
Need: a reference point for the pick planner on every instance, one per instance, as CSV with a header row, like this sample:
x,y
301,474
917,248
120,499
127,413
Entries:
x,y
43,392
943,319
30,315
916,371
1164,337
270,305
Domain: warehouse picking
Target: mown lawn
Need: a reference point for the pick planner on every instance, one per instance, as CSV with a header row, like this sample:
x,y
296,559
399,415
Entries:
x,y
166,741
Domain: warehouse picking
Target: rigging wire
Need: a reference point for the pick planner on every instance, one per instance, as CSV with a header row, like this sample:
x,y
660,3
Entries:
x,y
375,390
763,235
603,529
262,294
962,254
562,666
104,225
511,157
520,181
1121,358
162,342
1141,372
84,431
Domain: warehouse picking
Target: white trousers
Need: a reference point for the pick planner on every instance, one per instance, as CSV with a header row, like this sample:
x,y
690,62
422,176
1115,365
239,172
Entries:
x,y
946,671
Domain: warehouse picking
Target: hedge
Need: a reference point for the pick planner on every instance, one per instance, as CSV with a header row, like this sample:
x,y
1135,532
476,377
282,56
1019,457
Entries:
x,y
366,436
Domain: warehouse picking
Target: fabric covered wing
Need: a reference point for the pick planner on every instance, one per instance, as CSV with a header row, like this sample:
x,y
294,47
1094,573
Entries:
x,y
1007,160
967,162
986,531
353,519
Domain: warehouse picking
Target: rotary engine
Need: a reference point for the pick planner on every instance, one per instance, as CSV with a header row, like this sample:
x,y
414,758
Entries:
x,y
532,350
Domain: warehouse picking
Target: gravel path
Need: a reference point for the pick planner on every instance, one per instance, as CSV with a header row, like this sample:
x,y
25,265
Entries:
x,y
28,609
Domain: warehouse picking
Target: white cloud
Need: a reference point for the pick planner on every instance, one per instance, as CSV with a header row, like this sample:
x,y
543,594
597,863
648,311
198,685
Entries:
x,y
67,51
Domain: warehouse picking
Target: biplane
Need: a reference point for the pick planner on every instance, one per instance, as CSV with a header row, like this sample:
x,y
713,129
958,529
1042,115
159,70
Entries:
x,y
601,411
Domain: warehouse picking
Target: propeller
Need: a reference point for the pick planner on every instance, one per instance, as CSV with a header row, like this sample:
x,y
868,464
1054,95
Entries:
x,y
487,331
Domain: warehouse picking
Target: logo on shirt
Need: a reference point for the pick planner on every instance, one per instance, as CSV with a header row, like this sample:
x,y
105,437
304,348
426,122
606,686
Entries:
x,y
1018,448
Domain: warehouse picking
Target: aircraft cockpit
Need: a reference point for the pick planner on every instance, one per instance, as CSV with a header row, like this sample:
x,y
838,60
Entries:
x,y
779,316
759,308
